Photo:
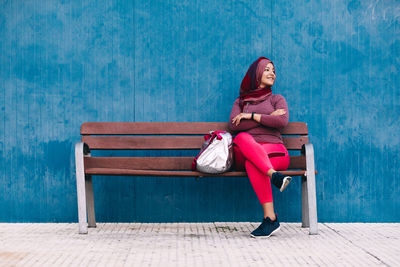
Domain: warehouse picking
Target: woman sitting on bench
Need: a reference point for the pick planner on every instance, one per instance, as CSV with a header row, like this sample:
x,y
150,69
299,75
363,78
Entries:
x,y
258,115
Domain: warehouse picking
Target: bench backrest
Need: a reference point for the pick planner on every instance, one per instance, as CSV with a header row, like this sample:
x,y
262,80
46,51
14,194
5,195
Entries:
x,y
167,136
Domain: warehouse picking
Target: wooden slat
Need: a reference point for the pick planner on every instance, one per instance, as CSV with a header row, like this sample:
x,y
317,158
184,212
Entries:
x,y
141,163
165,128
143,142
136,128
295,128
126,172
297,162
294,143
160,163
165,142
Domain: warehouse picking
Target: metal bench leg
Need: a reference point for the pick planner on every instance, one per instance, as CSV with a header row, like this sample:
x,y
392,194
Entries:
x,y
90,201
305,222
80,187
311,192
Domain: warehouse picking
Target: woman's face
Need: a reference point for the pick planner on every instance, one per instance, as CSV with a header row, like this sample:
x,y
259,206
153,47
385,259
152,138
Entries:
x,y
268,76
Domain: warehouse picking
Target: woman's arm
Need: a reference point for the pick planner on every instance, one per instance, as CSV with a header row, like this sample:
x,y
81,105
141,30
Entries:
x,y
245,124
275,119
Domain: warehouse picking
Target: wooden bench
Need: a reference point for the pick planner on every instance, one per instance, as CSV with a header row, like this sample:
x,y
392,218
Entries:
x,y
174,136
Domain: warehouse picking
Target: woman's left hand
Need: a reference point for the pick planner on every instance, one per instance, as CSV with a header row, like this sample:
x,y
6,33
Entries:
x,y
236,120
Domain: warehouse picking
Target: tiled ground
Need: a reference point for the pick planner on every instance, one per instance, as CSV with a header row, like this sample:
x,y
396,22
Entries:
x,y
198,244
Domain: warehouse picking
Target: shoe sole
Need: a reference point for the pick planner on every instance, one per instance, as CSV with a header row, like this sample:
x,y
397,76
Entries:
x,y
286,182
266,236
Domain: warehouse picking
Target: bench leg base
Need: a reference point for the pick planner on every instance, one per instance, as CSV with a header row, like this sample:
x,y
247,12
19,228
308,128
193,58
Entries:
x,y
90,201
308,190
80,188
304,203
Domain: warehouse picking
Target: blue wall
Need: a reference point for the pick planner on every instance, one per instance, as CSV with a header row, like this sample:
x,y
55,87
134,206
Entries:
x,y
66,62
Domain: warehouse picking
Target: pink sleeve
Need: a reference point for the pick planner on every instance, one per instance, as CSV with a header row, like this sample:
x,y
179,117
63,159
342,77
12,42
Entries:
x,y
244,124
276,121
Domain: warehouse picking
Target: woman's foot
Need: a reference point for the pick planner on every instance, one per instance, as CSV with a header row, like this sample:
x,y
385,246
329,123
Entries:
x,y
266,228
280,181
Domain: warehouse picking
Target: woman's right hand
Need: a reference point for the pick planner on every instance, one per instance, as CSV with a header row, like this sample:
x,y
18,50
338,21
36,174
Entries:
x,y
278,112
236,120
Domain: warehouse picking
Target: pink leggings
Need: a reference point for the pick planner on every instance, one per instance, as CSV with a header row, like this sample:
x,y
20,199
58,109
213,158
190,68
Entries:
x,y
258,158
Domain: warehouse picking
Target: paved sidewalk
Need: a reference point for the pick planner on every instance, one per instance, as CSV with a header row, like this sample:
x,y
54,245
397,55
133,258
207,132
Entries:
x,y
197,244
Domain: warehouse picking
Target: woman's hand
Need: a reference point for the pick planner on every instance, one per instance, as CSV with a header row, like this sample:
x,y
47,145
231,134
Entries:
x,y
236,120
278,112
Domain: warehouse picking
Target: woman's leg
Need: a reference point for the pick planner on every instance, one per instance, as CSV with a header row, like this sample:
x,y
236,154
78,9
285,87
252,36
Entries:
x,y
260,153
279,158
262,186
266,157
277,155
253,152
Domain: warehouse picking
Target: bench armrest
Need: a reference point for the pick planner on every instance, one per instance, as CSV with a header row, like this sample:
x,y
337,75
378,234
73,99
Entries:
x,y
308,151
82,147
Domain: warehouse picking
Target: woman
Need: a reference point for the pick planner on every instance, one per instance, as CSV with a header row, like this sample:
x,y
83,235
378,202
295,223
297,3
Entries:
x,y
258,115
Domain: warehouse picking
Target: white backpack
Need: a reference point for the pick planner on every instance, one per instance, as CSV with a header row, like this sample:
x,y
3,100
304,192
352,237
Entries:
x,y
216,154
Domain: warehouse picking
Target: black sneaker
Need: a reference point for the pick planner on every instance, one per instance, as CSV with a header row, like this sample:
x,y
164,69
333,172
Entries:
x,y
266,229
281,181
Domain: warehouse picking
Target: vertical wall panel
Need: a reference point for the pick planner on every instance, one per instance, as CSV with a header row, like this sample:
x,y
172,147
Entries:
x,y
64,63
337,66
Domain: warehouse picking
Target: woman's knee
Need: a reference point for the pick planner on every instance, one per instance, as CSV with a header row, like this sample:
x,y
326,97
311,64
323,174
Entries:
x,y
280,163
242,137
